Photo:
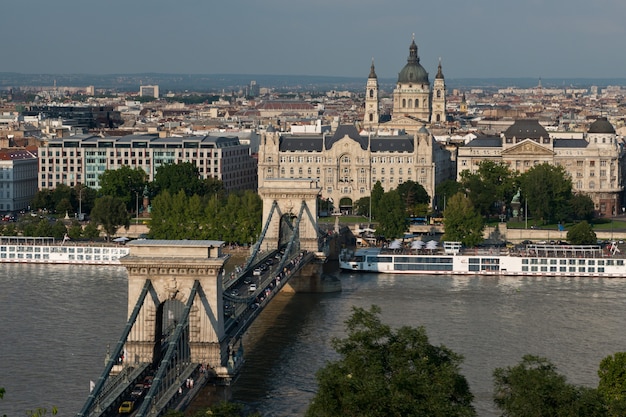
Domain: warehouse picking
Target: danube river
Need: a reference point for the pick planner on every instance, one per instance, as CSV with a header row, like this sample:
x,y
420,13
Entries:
x,y
56,322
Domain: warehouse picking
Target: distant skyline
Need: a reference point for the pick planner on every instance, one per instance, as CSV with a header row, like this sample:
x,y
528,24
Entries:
x,y
477,39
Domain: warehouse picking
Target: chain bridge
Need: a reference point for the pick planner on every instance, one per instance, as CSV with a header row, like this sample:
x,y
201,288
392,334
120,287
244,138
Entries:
x,y
187,318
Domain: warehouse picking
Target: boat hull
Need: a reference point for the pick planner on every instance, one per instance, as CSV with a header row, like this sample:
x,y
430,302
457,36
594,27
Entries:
x,y
375,260
59,254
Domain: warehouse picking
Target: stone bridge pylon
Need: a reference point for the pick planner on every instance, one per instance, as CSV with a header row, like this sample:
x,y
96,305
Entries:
x,y
288,195
173,267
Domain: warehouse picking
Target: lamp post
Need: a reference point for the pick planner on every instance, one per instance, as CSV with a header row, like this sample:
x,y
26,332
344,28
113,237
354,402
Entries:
x,y
136,207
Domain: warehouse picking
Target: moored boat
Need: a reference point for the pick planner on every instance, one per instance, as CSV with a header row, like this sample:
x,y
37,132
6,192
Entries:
x,y
533,259
49,251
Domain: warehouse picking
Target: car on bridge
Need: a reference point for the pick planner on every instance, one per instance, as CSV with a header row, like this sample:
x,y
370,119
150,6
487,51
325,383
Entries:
x,y
126,407
138,391
252,288
257,272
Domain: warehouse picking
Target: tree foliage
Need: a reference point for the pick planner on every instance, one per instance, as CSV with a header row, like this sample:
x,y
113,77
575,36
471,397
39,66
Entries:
x,y
392,217
491,187
581,234
462,222
581,206
125,183
534,388
444,191
377,197
414,197
385,373
548,190
236,218
110,213
186,177
612,385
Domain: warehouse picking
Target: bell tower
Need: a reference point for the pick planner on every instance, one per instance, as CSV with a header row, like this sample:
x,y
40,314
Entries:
x,y
439,98
371,115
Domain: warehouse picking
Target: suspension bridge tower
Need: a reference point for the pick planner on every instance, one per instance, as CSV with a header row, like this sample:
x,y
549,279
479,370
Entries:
x,y
173,268
286,198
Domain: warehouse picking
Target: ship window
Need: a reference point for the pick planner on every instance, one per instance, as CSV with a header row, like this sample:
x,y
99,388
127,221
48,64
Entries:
x,y
591,262
572,269
591,269
601,269
581,262
620,262
553,269
581,269
544,269
562,269
563,261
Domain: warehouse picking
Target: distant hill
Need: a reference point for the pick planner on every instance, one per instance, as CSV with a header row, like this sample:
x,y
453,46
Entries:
x,y
235,82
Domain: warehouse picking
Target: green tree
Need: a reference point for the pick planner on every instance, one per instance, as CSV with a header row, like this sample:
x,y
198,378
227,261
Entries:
x,y
377,196
491,187
548,190
582,207
534,388
75,231
124,183
392,217
184,176
415,198
42,200
444,191
110,213
362,207
612,385
385,373
58,230
581,234
462,222
91,231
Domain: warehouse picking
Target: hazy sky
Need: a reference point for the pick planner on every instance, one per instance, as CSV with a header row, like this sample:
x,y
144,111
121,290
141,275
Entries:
x,y
474,38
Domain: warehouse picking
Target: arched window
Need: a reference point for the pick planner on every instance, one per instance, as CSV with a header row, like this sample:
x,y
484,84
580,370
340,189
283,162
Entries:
x,y
438,117
403,102
417,103
438,93
410,104
371,117
371,93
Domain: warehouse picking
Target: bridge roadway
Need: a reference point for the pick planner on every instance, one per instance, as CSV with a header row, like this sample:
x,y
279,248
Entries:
x,y
241,304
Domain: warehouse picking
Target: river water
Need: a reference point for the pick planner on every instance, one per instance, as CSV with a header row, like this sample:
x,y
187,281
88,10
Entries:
x,y
56,322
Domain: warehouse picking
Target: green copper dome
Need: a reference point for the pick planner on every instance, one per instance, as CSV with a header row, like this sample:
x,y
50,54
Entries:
x,y
413,72
602,125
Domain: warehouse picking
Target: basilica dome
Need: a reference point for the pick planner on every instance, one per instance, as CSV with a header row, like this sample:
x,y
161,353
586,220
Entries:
x,y
413,72
602,125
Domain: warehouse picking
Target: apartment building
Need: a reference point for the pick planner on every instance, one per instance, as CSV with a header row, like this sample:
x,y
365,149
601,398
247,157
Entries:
x,y
18,178
81,159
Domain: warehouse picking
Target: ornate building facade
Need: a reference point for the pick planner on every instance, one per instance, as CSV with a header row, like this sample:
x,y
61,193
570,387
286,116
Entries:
x,y
347,164
593,162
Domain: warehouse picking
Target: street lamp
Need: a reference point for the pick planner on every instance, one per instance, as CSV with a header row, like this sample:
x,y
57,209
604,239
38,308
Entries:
x,y
136,207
